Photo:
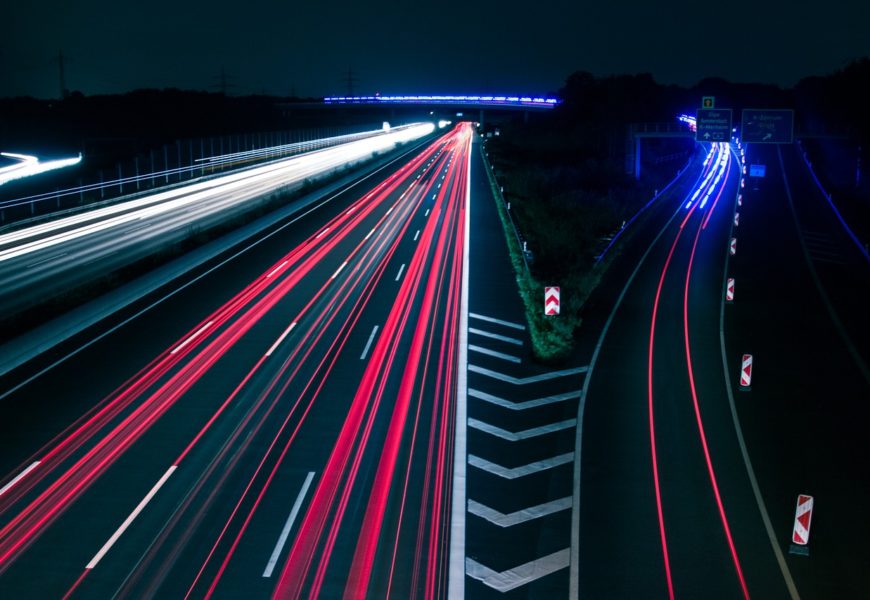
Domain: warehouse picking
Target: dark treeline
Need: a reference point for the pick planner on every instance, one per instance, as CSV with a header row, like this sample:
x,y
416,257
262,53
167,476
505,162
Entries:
x,y
127,124
569,177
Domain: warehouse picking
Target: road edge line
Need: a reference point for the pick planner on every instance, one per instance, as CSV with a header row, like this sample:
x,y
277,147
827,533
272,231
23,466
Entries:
x,y
574,567
738,430
456,567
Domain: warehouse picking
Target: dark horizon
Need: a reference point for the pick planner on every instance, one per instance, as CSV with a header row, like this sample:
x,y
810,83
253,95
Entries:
x,y
449,48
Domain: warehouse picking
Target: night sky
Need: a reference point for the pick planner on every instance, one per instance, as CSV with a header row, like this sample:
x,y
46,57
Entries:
x,y
417,47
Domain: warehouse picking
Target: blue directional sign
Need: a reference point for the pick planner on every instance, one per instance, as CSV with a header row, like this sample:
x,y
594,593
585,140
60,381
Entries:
x,y
767,126
713,125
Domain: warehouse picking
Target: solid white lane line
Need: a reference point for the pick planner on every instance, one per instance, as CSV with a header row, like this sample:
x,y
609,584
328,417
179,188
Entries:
x,y
191,338
19,477
120,531
281,338
389,210
276,269
525,380
369,343
427,213
521,516
495,354
273,560
416,235
522,470
401,270
499,321
495,336
370,233
525,434
522,405
456,569
321,234
521,574
337,271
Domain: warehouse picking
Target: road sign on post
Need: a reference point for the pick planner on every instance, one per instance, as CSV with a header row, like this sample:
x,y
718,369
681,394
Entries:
x,y
713,125
708,102
746,373
767,126
551,301
803,516
729,290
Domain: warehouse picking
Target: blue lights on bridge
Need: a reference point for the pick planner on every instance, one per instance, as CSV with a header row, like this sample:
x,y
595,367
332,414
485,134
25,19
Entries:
x,y
522,101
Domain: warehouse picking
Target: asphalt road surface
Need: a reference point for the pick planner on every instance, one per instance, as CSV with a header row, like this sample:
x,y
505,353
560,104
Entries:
x,y
282,426
689,480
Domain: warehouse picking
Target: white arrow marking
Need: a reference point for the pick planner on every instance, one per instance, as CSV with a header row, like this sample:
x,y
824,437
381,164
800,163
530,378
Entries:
x,y
520,516
519,575
525,380
522,405
522,470
521,435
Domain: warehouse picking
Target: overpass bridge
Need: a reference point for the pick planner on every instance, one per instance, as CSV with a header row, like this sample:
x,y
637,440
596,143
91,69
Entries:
x,y
464,103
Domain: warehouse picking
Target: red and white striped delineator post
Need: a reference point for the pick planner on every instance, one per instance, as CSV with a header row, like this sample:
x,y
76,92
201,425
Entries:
x,y
746,373
729,290
732,247
551,301
739,199
736,219
803,516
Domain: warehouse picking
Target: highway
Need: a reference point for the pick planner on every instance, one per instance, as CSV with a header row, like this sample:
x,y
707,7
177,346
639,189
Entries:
x,y
689,482
281,427
42,259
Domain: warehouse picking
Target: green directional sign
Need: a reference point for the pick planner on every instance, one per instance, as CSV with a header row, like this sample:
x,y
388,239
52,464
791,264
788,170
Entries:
x,y
767,126
713,125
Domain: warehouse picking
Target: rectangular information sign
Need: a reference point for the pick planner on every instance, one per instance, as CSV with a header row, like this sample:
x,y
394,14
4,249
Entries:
x,y
767,126
713,125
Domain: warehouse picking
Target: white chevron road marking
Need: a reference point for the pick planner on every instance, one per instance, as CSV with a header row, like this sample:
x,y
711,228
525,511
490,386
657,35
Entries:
x,y
512,436
519,575
522,470
520,516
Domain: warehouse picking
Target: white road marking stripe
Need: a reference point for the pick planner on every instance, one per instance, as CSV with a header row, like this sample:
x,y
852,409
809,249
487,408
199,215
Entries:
x,y
495,336
522,470
337,271
525,380
273,560
520,516
281,338
456,569
489,352
276,269
499,321
321,234
427,213
120,531
401,270
416,235
369,343
19,477
522,405
519,575
370,233
389,210
525,434
191,338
